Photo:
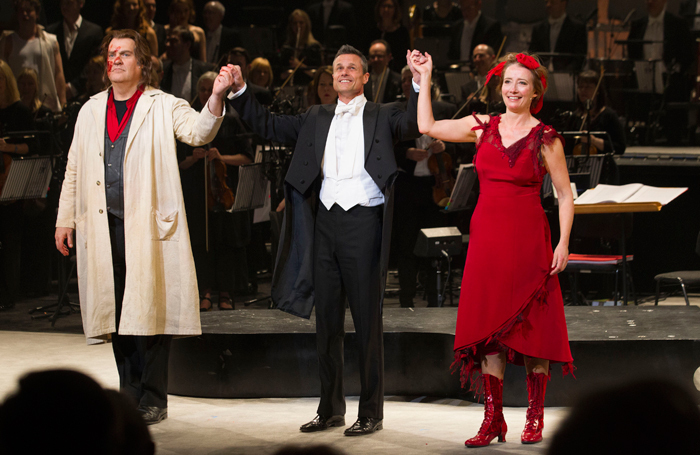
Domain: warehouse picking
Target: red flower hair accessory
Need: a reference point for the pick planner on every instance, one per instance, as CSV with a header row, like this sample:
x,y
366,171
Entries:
x,y
528,62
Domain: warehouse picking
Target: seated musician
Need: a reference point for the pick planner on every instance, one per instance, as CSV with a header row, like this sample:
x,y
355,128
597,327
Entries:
x,y
560,33
414,205
483,58
223,261
669,42
601,118
14,116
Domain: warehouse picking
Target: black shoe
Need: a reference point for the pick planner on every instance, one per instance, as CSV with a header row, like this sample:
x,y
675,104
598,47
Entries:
x,y
321,423
153,414
364,425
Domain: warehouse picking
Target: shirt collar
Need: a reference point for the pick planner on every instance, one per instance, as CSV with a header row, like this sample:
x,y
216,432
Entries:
x,y
557,21
658,19
77,24
476,19
358,101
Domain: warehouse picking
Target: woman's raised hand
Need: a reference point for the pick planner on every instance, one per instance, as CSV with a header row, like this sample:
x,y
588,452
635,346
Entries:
x,y
423,63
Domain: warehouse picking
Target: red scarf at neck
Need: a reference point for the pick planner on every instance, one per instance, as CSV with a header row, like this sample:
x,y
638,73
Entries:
x,y
114,127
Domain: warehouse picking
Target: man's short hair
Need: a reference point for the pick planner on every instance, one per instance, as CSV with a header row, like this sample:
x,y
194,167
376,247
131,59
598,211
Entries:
x,y
184,33
241,52
348,49
382,42
489,49
217,6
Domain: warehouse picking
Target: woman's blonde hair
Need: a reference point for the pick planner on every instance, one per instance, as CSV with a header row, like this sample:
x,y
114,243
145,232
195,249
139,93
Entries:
x,y
260,64
538,75
11,91
31,73
306,37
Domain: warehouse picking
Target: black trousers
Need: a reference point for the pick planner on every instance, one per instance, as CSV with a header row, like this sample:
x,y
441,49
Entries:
x,y
142,361
347,248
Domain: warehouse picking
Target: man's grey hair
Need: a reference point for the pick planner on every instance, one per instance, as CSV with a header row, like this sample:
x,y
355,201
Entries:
x,y
208,76
348,49
217,6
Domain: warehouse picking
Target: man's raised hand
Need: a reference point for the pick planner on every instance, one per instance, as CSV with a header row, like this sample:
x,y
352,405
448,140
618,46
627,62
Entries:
x,y
224,80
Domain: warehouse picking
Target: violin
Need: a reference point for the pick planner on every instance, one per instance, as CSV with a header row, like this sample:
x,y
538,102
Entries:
x,y
586,148
218,192
440,166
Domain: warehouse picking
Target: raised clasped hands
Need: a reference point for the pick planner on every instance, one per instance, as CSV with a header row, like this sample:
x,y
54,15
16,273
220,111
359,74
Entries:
x,y
420,64
224,80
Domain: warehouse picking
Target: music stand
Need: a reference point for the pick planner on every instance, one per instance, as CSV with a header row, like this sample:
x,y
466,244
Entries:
x,y
464,183
250,194
28,178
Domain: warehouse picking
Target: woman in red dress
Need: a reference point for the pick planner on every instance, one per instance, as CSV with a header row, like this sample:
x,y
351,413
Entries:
x,y
510,308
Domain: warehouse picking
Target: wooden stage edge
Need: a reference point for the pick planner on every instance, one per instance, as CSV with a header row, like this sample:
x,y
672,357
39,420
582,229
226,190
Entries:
x,y
268,353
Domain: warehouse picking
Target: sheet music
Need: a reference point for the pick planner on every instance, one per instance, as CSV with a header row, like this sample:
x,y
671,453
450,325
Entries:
x,y
633,192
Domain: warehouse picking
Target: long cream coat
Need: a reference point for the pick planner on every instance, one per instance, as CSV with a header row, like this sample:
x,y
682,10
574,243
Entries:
x,y
161,295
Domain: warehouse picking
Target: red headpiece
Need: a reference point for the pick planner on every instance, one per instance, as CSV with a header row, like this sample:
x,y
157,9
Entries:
x,y
529,63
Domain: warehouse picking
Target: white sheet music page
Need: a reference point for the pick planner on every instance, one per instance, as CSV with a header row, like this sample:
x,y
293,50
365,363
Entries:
x,y
633,192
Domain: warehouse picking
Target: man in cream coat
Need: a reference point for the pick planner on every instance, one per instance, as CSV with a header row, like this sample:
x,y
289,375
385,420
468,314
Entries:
x,y
122,197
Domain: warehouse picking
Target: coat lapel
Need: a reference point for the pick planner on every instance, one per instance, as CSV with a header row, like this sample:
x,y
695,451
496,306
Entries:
x,y
143,105
323,125
369,123
99,114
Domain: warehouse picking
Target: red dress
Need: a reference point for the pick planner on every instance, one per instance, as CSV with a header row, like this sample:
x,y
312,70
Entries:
x,y
509,301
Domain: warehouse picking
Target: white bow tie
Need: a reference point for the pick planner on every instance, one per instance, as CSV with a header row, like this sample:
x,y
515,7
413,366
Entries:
x,y
354,109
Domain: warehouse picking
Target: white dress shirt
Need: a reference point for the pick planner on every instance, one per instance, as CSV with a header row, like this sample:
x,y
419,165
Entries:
x,y
213,42
555,26
467,34
345,179
421,169
182,80
70,33
655,32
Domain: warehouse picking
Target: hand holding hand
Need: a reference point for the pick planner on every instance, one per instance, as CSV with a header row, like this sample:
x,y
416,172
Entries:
x,y
422,64
227,78
62,235
559,259
416,154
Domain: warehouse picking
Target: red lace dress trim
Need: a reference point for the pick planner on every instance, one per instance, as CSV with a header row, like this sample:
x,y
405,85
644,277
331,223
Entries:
x,y
539,136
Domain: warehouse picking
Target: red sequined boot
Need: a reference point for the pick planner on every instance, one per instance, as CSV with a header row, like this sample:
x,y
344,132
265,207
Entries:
x,y
493,425
534,418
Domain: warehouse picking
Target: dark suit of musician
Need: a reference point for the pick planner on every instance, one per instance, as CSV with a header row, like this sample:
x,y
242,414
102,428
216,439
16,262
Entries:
x,y
342,13
677,57
198,68
414,210
572,39
87,45
487,31
326,254
228,39
677,41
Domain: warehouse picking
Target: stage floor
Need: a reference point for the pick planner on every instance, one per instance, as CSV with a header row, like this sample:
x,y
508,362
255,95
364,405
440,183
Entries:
x,y
412,425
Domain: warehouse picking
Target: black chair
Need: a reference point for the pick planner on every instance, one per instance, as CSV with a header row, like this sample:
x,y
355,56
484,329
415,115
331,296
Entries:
x,y
684,278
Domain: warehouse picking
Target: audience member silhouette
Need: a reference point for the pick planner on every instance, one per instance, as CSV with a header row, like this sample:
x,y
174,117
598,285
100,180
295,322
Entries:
x,y
644,417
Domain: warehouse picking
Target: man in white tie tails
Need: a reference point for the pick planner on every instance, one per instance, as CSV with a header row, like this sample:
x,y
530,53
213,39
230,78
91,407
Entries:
x,y
338,193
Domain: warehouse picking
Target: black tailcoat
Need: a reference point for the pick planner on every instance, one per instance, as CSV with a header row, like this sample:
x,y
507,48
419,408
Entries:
x,y
384,124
